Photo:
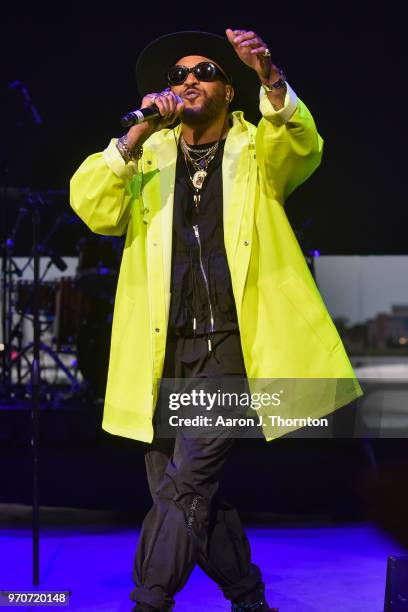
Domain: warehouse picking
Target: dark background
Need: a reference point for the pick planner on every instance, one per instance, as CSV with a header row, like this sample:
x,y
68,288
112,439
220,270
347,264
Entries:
x,y
346,61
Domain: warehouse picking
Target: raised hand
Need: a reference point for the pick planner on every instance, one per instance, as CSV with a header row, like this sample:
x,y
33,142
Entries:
x,y
251,49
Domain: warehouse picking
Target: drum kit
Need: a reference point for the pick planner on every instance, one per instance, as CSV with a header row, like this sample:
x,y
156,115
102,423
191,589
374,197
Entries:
x,y
74,312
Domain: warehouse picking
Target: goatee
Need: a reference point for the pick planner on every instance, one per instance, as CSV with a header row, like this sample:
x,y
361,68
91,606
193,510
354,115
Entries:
x,y
206,113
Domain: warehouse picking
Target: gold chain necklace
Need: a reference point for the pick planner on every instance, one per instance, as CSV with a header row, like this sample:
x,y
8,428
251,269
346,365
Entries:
x,y
200,166
206,152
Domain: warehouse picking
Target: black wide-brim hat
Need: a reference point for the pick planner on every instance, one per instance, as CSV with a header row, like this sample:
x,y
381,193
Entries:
x,y
158,56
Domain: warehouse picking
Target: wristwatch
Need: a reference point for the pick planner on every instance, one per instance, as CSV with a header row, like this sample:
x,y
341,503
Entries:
x,y
277,84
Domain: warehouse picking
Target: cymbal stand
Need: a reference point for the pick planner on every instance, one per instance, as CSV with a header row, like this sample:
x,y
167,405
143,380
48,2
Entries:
x,y
35,202
35,384
9,268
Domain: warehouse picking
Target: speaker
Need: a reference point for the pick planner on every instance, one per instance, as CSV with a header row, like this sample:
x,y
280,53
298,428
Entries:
x,y
396,587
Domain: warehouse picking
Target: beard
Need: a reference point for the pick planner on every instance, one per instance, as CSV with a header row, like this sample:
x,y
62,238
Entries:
x,y
211,108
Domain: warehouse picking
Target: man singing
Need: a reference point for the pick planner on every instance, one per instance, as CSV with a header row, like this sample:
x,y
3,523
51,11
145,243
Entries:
x,y
212,283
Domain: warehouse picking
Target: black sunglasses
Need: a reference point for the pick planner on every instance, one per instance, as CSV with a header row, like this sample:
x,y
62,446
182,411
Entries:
x,y
204,71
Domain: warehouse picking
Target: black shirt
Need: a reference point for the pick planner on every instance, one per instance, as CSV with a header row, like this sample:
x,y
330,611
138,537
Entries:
x,y
202,300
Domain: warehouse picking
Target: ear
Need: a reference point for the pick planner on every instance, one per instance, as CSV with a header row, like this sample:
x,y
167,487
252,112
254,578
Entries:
x,y
229,93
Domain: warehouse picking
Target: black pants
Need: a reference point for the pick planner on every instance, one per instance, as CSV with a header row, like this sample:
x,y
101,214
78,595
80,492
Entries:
x,y
189,521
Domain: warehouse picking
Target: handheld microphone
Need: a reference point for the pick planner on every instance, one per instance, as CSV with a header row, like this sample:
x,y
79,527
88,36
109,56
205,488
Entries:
x,y
138,116
142,114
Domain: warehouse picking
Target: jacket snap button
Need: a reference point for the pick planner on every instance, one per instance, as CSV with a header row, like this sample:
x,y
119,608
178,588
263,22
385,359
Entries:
x,y
246,242
157,329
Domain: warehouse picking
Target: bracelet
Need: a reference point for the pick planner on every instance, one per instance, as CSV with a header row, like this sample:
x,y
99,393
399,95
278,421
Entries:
x,y
126,152
277,84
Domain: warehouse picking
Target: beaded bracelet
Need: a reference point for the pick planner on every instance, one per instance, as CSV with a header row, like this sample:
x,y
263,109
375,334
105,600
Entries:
x,y
126,152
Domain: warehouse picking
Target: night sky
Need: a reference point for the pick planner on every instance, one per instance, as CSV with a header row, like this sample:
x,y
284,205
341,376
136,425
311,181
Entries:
x,y
344,61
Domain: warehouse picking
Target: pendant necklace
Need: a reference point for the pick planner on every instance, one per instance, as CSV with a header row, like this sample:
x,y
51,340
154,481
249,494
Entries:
x,y
200,165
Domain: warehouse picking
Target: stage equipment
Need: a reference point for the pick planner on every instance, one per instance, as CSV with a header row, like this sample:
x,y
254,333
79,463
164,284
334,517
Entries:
x,y
396,588
33,301
24,297
76,310
32,203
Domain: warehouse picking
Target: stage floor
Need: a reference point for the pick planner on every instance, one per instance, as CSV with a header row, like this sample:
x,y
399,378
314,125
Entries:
x,y
306,569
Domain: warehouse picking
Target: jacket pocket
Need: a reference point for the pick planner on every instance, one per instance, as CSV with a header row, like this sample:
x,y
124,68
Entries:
x,y
312,310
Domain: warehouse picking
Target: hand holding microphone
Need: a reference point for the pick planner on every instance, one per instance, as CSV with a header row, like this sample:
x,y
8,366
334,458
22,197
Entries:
x,y
155,105
158,110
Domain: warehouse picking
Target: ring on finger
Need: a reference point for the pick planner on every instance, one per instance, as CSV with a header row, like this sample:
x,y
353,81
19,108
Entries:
x,y
266,53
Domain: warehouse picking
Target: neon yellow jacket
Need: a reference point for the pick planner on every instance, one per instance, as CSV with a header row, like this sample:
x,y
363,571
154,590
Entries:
x,y
286,331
